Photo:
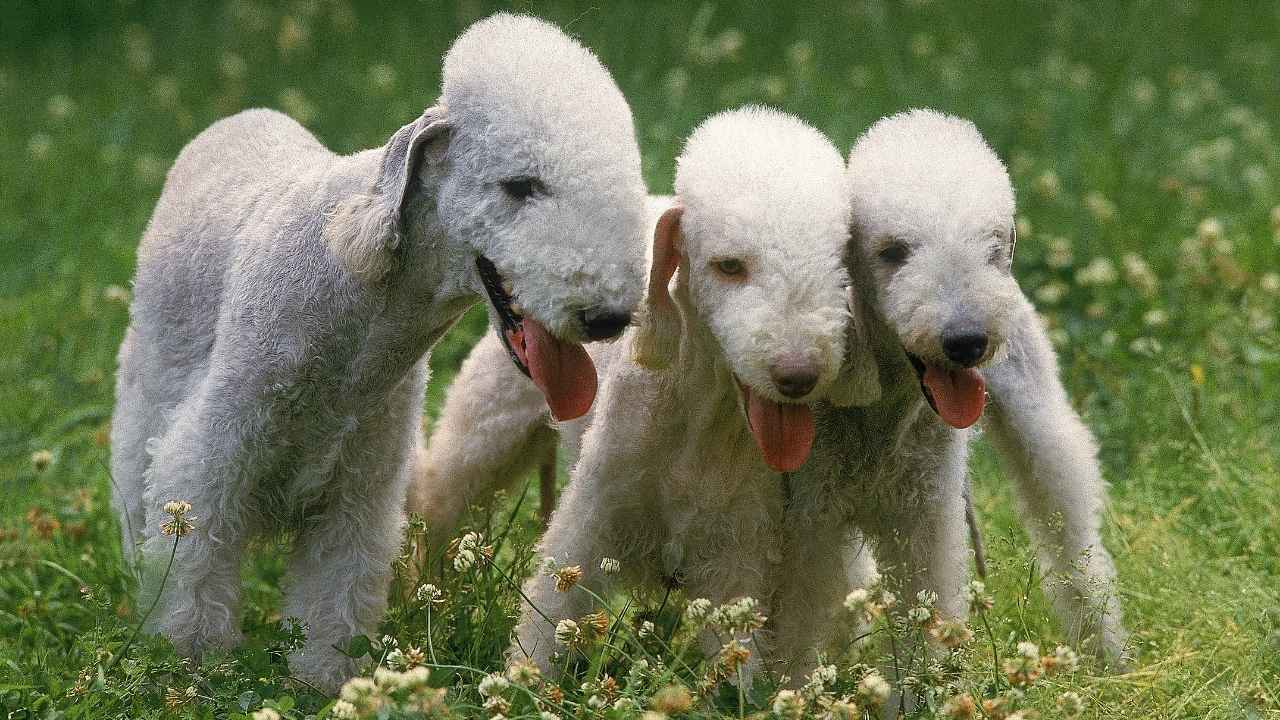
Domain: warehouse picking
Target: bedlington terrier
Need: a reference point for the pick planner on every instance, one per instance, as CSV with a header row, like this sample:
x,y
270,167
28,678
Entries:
x,y
947,188
272,375
931,258
704,402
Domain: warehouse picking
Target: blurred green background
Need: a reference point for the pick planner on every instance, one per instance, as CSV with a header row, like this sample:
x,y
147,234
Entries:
x,y
1140,136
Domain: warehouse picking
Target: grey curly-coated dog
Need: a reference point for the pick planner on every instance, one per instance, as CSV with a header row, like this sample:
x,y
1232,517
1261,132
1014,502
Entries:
x,y
272,374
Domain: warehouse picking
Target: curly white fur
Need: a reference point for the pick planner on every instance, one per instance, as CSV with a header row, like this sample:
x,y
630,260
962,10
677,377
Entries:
x,y
286,297
891,469
669,479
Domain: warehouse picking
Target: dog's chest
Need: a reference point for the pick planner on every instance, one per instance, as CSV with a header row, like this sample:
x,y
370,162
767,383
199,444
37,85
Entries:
x,y
877,459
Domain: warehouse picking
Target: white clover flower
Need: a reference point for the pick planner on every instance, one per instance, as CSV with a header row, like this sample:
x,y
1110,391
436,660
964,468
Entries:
x,y
1209,230
469,550
568,633
429,594
115,294
597,702
1048,184
1029,650
382,77
921,45
740,615
343,710
1061,254
1065,659
548,715
493,684
1146,346
1155,317
61,107
524,673
39,145
1052,292
856,600
1099,271
698,610
296,104
1070,704
824,675
232,66
1270,283
387,679
874,688
1261,320
396,659
41,460
919,615
1143,92
646,629
415,677
926,598
788,705
265,714
888,599
1139,274
610,566
358,688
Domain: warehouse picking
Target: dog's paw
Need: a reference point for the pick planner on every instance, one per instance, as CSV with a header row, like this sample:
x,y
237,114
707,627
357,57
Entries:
x,y
322,667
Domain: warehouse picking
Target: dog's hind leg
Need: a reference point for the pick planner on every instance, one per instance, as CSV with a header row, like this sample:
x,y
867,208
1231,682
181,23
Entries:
x,y
492,431
1052,458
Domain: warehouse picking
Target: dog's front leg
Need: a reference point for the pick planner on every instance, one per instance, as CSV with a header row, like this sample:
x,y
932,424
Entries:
x,y
810,591
338,579
207,458
923,549
1052,458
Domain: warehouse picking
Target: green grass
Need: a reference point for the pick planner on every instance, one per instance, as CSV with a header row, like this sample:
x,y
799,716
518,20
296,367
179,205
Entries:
x,y
1127,127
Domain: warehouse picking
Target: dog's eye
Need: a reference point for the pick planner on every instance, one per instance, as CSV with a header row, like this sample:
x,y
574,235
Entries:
x,y
895,253
521,188
730,268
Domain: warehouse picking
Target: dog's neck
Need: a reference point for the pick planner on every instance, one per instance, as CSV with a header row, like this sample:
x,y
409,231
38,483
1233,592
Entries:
x,y
429,284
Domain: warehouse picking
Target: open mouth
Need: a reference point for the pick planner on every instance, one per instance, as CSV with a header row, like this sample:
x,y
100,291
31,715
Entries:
x,y
784,432
562,370
957,395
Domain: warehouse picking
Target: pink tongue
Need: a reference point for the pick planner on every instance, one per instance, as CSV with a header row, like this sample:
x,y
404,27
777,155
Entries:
x,y
561,370
958,395
783,432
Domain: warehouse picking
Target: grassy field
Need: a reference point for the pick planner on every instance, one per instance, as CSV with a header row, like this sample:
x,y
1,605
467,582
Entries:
x,y
1141,138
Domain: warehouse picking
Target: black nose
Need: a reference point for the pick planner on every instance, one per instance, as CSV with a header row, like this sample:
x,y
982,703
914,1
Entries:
x,y
794,377
602,323
964,346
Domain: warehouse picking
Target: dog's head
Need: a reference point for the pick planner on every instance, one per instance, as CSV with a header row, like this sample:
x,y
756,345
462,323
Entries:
x,y
532,157
934,236
759,227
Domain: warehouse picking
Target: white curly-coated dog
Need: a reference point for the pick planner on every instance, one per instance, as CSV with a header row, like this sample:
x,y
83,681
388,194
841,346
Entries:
x,y
933,240
705,401
285,299
931,183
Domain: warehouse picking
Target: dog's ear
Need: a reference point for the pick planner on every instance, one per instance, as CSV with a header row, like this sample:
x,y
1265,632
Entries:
x,y
858,383
657,339
364,229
